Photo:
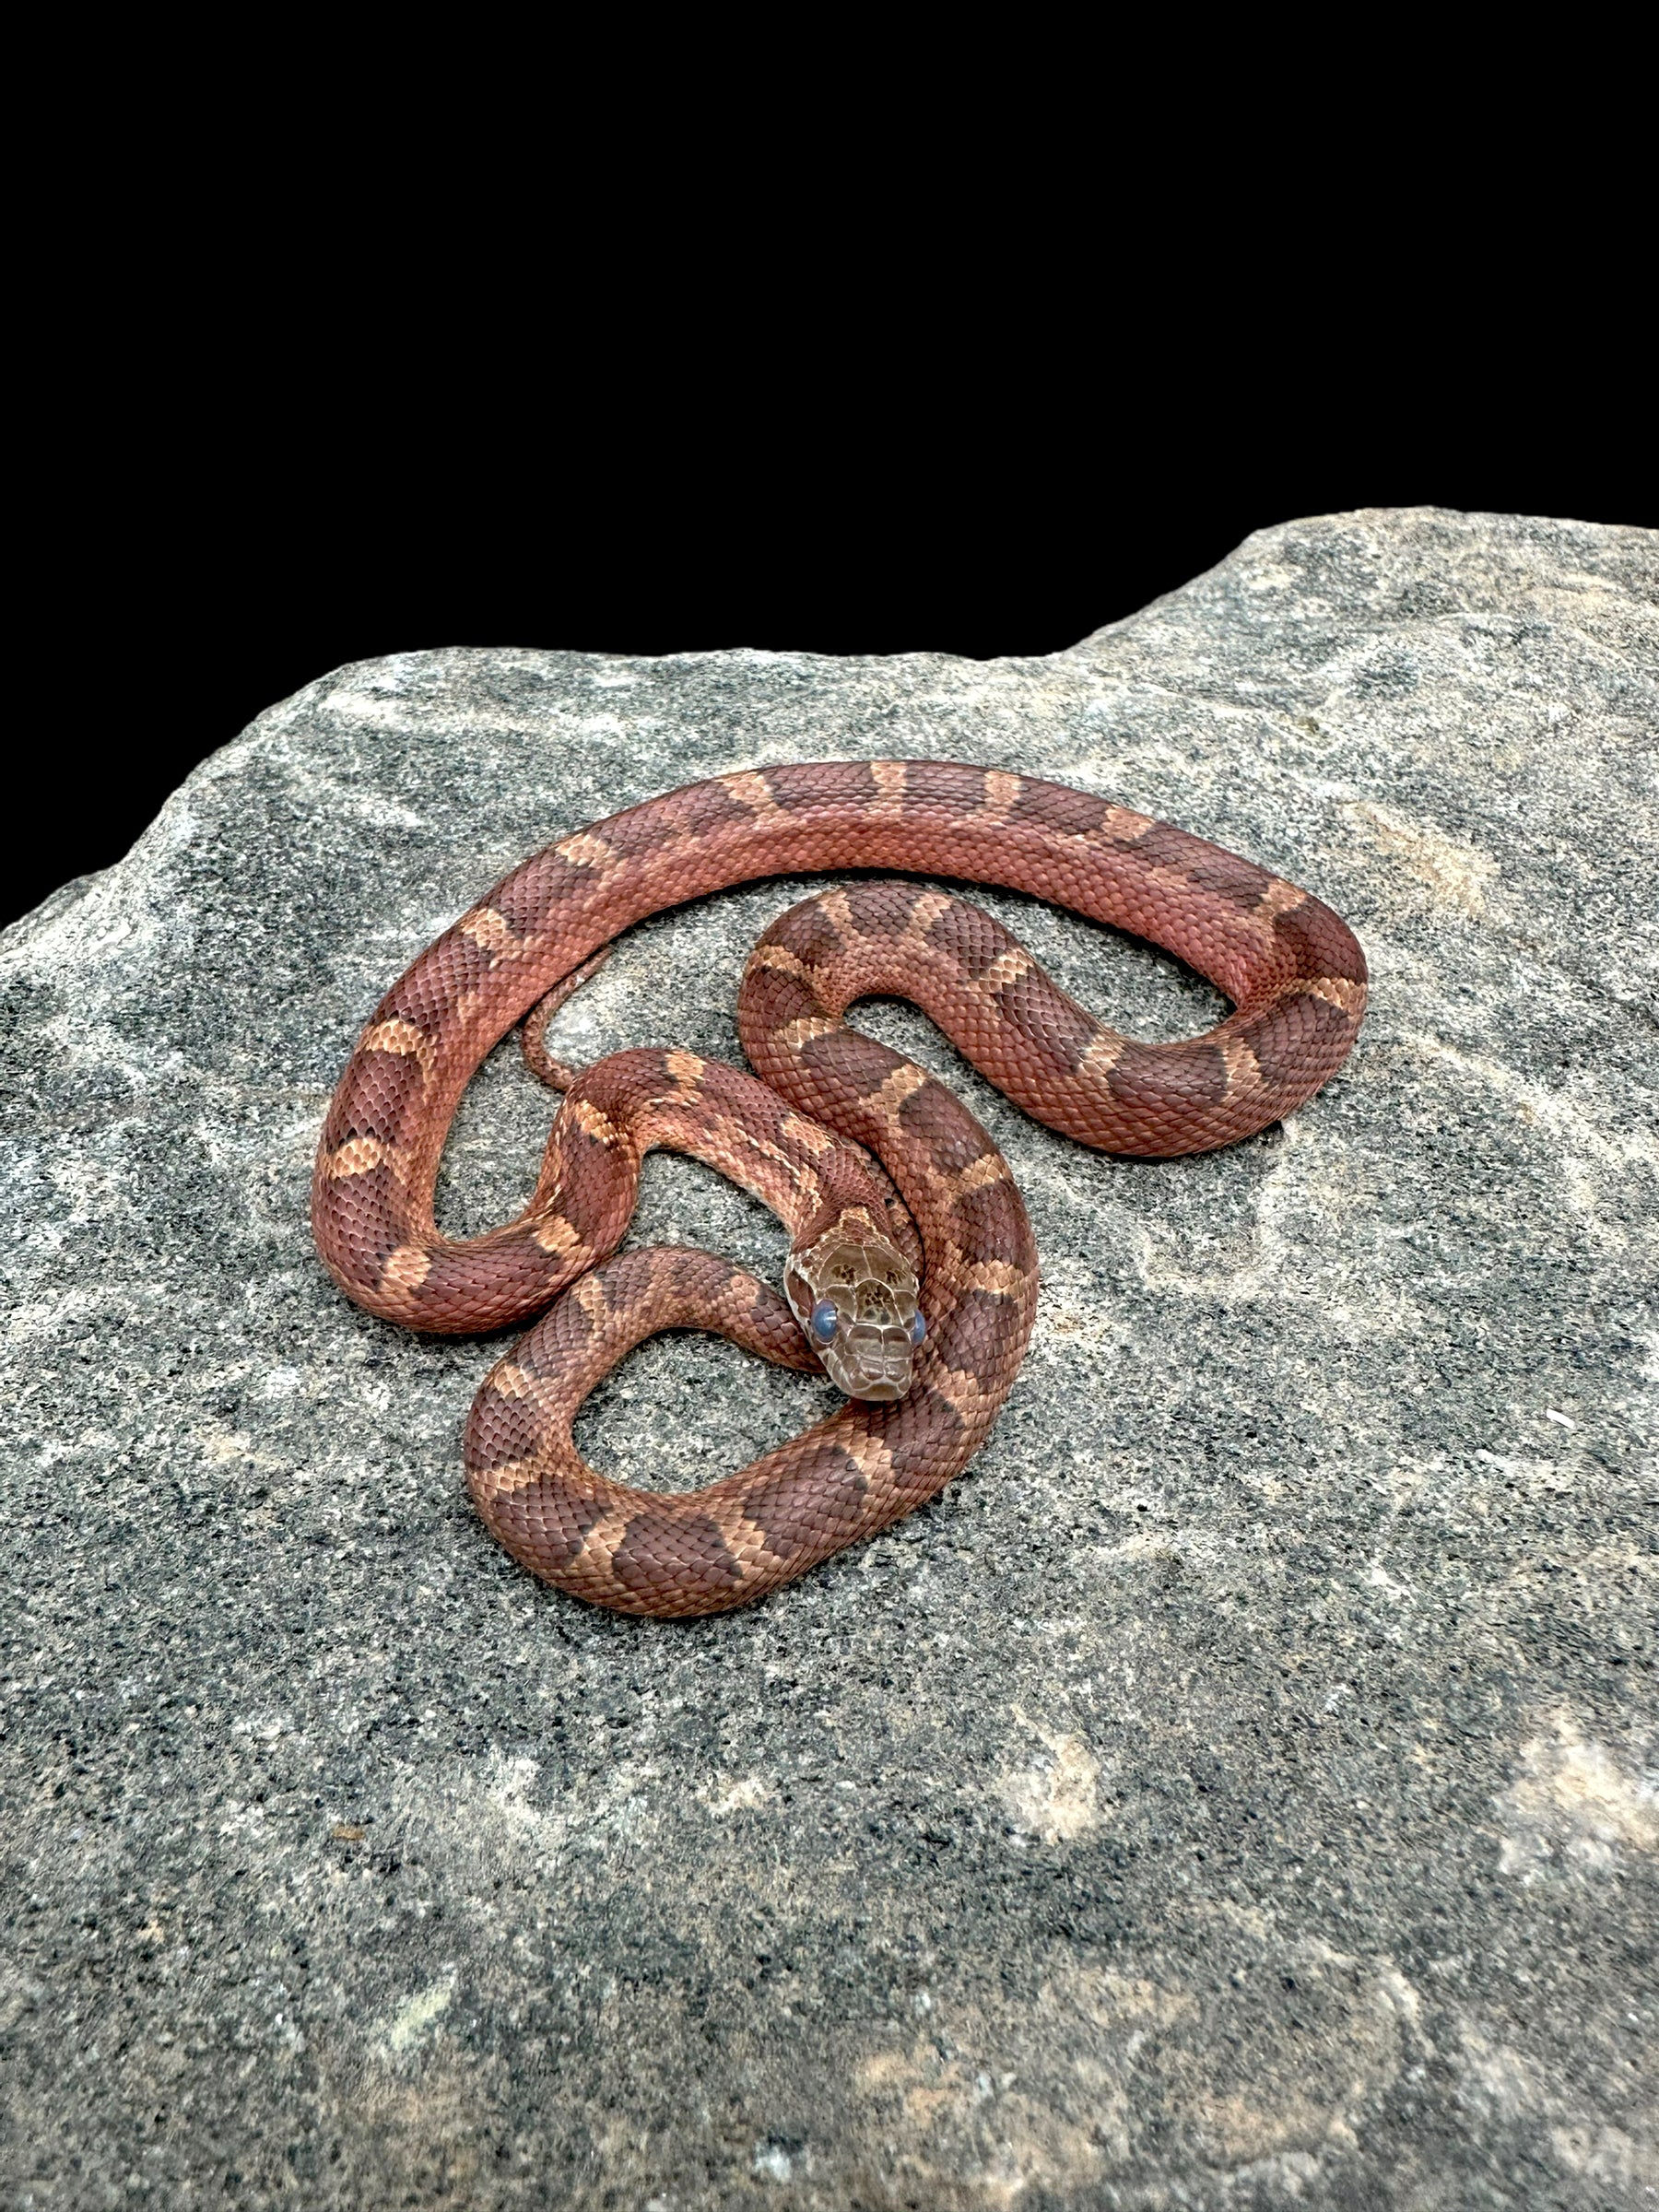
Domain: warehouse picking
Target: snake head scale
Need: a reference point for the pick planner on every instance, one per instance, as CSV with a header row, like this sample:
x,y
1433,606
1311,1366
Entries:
x,y
857,1302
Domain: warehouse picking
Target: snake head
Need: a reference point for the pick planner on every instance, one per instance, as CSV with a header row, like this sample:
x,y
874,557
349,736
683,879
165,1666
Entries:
x,y
857,1302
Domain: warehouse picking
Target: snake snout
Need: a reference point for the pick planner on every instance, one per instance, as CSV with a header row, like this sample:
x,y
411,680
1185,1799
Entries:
x,y
876,1362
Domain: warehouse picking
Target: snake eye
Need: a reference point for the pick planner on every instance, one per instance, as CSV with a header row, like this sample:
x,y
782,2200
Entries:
x,y
824,1320
918,1329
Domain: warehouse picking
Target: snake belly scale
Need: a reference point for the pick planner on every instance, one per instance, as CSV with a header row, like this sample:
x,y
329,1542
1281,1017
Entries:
x,y
911,1274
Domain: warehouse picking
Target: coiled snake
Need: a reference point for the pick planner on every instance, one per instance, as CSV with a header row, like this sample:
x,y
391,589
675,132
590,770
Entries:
x,y
835,1123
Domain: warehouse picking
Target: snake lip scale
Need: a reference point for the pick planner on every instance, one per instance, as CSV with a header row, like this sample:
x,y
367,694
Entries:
x,y
911,1274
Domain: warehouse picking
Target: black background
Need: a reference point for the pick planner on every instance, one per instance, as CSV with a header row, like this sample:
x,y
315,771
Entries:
x,y
669,339
211,542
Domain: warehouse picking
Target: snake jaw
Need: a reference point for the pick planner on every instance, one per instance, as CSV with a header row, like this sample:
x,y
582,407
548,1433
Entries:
x,y
873,1290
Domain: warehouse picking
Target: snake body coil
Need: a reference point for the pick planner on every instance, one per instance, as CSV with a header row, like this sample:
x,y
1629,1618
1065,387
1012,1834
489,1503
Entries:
x,y
926,1390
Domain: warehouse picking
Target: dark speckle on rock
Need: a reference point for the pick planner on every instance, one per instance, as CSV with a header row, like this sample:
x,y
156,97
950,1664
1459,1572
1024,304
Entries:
x,y
1237,1790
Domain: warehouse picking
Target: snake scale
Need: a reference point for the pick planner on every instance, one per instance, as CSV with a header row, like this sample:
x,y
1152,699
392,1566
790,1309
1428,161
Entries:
x,y
912,1275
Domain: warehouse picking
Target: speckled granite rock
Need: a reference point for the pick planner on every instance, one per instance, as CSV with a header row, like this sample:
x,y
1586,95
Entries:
x,y
1236,1791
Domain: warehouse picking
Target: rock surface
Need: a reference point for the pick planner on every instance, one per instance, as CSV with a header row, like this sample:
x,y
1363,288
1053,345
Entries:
x,y
1236,1791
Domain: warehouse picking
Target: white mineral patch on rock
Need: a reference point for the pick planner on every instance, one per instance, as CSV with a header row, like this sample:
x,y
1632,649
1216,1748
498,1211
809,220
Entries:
x,y
1575,1807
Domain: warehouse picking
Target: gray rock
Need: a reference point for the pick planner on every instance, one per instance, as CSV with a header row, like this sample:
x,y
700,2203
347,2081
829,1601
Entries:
x,y
1235,1790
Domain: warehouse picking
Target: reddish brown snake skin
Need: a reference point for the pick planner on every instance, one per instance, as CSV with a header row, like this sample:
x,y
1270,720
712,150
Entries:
x,y
1292,968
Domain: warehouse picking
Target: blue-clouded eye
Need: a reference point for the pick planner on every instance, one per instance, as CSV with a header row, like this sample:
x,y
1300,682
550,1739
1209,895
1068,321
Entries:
x,y
918,1327
824,1319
